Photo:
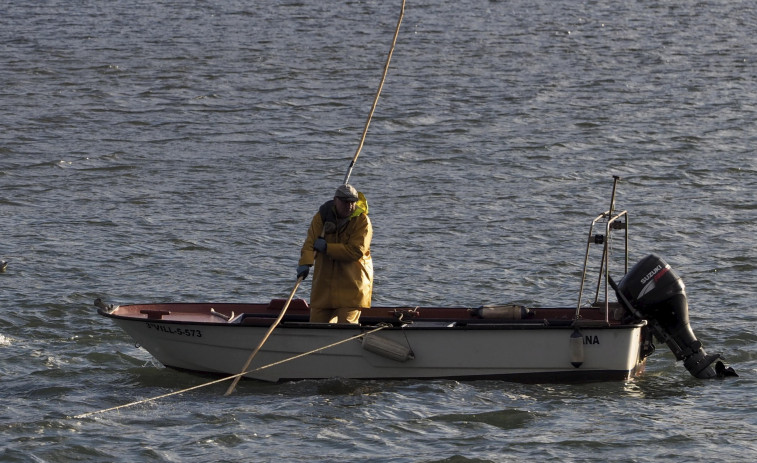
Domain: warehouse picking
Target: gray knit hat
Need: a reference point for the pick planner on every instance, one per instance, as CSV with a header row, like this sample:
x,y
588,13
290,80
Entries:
x,y
346,192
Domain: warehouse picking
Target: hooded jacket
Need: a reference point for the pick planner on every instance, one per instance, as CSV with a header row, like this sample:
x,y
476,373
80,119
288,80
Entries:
x,y
343,275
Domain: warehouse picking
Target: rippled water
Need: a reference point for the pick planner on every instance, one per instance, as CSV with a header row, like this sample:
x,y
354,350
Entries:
x,y
175,151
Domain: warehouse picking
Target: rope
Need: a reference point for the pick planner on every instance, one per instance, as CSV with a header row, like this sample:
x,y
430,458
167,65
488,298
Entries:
x,y
346,180
227,378
265,337
376,98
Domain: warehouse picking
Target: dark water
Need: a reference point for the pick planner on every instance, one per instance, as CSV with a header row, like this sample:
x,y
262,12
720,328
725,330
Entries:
x,y
175,151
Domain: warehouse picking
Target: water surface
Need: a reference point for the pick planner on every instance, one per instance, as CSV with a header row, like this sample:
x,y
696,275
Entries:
x,y
176,151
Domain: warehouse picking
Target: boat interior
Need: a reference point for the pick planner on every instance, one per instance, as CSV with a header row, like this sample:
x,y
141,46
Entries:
x,y
298,312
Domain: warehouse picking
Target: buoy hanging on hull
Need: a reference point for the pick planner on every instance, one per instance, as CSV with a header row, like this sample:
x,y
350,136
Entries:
x,y
576,348
387,348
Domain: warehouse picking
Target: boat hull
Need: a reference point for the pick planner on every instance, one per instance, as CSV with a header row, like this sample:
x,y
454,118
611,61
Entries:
x,y
440,349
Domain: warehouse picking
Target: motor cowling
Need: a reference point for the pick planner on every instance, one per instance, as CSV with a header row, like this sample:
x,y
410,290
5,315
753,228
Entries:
x,y
653,291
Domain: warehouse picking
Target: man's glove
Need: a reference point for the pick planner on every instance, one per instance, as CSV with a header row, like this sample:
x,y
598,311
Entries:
x,y
302,271
320,245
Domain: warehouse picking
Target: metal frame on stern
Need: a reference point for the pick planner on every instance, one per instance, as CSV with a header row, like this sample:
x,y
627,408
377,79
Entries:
x,y
612,222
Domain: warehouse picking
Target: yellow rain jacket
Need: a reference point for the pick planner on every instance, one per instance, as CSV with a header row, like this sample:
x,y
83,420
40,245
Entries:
x,y
343,276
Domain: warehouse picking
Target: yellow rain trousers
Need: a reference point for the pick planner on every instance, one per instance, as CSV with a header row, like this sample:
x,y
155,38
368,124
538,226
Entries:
x,y
343,276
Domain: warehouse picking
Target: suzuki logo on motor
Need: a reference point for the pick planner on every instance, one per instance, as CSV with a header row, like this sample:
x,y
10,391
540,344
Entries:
x,y
651,274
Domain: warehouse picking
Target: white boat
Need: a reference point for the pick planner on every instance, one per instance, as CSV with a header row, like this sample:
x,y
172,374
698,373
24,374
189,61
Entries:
x,y
602,340
416,342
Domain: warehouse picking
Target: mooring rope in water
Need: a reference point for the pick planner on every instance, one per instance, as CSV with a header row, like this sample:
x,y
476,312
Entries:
x,y
227,378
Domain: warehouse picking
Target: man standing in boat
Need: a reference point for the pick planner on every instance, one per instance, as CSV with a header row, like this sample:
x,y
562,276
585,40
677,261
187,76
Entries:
x,y
338,243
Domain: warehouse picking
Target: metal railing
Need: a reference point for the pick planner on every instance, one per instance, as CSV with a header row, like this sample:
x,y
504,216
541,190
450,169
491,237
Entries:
x,y
613,222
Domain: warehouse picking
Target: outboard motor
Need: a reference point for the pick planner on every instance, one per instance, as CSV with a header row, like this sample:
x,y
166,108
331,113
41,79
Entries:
x,y
653,291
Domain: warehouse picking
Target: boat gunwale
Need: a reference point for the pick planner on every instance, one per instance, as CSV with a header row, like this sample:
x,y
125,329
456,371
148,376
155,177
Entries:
x,y
297,321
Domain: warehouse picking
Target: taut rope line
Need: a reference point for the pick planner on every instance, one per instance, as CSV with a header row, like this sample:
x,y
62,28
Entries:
x,y
152,399
237,376
346,178
265,337
375,99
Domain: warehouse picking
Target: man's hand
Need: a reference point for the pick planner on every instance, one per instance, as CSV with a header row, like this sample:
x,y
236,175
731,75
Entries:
x,y
320,245
302,271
